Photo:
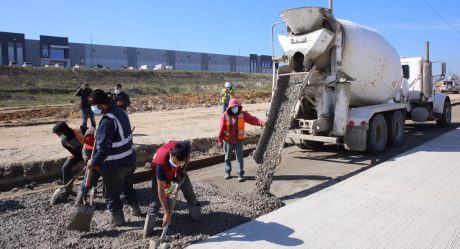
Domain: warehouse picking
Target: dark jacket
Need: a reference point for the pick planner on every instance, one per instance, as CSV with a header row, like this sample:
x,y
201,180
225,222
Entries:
x,y
84,94
123,98
114,141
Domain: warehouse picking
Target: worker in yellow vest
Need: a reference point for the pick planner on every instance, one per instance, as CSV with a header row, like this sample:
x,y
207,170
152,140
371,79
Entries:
x,y
226,95
231,134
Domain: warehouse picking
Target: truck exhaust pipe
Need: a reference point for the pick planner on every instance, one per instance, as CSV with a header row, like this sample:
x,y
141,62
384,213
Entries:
x,y
427,73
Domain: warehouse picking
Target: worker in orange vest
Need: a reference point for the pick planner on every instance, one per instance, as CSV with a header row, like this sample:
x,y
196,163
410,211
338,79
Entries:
x,y
231,134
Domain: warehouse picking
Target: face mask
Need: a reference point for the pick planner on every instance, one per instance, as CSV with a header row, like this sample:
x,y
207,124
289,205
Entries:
x,y
117,91
235,110
96,110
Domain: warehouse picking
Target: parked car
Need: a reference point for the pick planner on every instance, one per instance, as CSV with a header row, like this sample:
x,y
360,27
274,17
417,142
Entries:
x,y
13,63
144,67
450,86
78,66
26,64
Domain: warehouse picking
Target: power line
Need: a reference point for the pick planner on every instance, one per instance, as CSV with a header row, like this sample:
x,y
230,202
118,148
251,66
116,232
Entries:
x,y
441,17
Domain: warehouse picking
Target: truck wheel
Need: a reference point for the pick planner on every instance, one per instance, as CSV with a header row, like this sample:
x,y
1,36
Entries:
x,y
396,126
377,135
313,145
446,117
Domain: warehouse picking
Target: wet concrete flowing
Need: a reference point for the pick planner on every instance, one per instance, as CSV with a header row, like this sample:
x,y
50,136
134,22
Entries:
x,y
30,222
271,142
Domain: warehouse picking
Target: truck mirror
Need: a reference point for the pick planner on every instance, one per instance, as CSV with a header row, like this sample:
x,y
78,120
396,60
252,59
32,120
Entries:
x,y
443,69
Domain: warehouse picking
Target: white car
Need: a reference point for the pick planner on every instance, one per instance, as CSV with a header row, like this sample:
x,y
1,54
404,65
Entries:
x,y
450,86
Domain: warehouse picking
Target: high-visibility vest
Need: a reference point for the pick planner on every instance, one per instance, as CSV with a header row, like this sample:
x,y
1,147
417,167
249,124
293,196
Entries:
x,y
239,130
161,157
227,96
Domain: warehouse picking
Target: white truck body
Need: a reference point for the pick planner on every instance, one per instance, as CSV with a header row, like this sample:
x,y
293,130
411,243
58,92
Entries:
x,y
359,91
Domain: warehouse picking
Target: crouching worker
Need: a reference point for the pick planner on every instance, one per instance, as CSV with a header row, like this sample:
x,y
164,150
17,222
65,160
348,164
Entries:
x,y
71,140
115,157
168,165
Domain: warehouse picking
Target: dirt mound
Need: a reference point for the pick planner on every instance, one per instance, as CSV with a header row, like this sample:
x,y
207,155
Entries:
x,y
50,114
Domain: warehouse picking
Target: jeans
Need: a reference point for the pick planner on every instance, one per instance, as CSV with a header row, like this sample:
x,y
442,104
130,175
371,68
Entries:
x,y
67,173
187,191
88,113
119,187
228,149
95,175
224,107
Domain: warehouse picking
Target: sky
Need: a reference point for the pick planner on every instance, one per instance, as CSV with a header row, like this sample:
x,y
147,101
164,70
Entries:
x,y
237,27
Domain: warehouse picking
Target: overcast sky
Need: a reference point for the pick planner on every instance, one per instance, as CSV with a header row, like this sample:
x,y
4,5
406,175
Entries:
x,y
236,27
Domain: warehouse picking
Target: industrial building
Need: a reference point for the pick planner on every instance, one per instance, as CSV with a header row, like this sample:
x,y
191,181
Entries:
x,y
50,50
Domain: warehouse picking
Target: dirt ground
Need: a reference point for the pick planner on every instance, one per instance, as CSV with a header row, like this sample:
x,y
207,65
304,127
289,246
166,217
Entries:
x,y
26,116
37,143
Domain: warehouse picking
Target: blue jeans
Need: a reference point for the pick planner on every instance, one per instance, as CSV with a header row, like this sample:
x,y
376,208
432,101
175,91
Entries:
x,y
95,175
119,187
224,107
228,149
88,113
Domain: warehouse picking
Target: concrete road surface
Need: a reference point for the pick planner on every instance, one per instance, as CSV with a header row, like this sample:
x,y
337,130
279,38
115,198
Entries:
x,y
409,201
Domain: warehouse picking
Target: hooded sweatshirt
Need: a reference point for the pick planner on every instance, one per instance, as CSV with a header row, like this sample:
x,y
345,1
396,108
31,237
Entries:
x,y
248,118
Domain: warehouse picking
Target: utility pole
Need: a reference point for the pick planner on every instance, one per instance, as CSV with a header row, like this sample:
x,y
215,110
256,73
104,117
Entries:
x,y
91,48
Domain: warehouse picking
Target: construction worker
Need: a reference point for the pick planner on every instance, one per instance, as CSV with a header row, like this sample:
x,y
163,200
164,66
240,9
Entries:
x,y
115,157
226,95
120,97
83,92
86,155
231,134
72,140
168,167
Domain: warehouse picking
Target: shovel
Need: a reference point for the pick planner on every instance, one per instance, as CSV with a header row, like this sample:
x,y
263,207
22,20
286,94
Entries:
x,y
173,205
58,192
81,219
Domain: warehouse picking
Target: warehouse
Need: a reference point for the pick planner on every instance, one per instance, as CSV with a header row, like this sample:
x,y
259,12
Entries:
x,y
52,50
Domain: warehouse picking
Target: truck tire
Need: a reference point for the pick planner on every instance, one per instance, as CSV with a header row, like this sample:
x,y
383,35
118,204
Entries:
x,y
377,135
396,123
446,116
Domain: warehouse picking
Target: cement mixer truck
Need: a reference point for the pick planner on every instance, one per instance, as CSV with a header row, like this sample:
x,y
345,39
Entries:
x,y
340,82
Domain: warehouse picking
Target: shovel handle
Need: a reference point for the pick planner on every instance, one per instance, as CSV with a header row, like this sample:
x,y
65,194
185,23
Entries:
x,y
88,171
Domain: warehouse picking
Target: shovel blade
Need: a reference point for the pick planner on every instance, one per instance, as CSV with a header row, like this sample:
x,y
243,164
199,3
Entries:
x,y
81,219
55,196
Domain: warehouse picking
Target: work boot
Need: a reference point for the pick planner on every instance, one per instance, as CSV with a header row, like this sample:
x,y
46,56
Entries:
x,y
195,212
227,176
116,218
241,179
135,210
149,225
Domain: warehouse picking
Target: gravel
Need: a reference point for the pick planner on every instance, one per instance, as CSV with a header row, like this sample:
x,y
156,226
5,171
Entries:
x,y
30,222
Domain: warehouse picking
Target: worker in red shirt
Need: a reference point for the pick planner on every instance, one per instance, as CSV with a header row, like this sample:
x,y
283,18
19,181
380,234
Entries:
x,y
231,134
169,164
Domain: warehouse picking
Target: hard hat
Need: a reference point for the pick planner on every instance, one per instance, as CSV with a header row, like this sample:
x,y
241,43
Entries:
x,y
227,84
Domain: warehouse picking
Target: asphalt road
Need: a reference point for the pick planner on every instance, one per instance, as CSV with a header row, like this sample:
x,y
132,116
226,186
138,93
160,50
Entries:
x,y
303,172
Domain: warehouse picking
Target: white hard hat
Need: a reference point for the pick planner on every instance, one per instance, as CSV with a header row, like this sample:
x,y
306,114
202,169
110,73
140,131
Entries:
x,y
227,84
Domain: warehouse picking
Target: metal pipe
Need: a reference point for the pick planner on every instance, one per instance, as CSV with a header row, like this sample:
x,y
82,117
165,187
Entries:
x,y
330,6
427,51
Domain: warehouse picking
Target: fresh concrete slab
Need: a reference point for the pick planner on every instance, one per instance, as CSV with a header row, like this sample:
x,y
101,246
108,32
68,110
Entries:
x,y
410,201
